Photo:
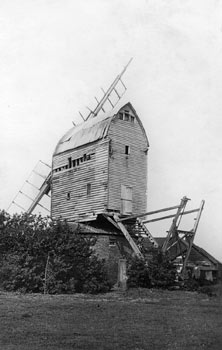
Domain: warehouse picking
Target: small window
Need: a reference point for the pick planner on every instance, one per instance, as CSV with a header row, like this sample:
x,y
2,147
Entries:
x,y
121,116
132,119
112,242
73,163
70,162
88,189
77,161
127,150
68,196
127,116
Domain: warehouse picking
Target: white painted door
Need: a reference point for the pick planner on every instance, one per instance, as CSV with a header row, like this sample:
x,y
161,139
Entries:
x,y
126,199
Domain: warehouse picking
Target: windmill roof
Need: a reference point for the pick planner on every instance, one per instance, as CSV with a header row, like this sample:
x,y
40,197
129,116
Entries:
x,y
86,132
91,130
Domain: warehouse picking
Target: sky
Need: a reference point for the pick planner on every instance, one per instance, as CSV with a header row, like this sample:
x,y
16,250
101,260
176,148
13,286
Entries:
x,y
56,54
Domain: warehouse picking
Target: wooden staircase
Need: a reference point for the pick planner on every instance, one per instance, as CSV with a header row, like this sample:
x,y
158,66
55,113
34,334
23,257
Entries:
x,y
134,230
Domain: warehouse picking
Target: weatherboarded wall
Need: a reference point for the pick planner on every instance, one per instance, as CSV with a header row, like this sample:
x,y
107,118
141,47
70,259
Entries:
x,y
79,182
129,170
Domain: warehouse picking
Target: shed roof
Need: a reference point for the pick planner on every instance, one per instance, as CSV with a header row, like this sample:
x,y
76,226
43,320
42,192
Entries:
x,y
89,131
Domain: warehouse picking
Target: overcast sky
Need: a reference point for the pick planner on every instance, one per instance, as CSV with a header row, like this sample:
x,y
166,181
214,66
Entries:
x,y
56,54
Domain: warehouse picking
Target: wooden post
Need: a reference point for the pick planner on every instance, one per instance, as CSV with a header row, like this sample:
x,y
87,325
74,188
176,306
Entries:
x,y
174,226
46,275
191,238
122,276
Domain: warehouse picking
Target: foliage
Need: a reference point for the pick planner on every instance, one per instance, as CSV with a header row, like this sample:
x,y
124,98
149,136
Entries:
x,y
156,272
138,274
39,255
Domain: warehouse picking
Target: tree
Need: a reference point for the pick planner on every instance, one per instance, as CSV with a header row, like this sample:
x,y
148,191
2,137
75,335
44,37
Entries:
x,y
39,255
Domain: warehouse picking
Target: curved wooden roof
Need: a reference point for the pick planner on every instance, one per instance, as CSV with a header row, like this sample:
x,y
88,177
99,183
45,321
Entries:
x,y
91,130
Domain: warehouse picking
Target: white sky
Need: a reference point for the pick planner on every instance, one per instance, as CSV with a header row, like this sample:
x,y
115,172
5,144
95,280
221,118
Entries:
x,y
55,55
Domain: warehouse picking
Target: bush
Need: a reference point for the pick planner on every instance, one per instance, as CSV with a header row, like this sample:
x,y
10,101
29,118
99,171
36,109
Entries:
x,y
138,274
158,272
38,255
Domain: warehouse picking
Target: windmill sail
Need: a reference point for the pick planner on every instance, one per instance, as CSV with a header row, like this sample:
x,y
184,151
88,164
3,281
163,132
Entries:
x,y
108,93
44,188
34,189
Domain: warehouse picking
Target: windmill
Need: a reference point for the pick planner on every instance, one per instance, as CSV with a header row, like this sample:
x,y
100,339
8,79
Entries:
x,y
99,179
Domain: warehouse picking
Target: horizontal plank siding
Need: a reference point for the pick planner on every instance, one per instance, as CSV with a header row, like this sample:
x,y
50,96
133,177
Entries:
x,y
128,170
73,182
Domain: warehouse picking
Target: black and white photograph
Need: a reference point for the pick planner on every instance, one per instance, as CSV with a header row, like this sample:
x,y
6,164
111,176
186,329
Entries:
x,y
111,174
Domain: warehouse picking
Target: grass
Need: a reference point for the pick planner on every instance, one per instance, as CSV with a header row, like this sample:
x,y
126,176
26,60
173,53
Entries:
x,y
136,319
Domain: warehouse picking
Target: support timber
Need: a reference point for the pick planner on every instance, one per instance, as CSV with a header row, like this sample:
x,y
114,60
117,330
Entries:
x,y
191,237
44,189
128,237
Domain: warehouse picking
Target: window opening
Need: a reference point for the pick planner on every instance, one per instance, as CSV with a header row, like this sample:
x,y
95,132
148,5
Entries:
x,y
132,119
68,196
121,116
127,116
127,150
112,242
72,163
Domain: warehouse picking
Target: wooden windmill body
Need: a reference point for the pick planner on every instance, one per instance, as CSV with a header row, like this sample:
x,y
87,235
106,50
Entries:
x,y
100,166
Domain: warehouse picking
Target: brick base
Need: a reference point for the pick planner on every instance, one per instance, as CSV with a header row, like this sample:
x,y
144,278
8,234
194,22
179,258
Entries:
x,y
112,248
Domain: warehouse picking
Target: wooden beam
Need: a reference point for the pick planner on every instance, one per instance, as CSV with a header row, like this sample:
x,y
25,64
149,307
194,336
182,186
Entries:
x,y
128,237
148,213
171,216
44,189
194,230
174,224
113,222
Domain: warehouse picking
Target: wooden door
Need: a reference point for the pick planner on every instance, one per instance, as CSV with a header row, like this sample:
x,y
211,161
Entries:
x,y
126,199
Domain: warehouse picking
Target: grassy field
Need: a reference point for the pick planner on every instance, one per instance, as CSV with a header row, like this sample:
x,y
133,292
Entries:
x,y
136,319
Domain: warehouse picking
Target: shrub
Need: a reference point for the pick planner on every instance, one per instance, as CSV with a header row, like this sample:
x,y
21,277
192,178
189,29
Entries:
x,y
38,255
158,272
138,274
